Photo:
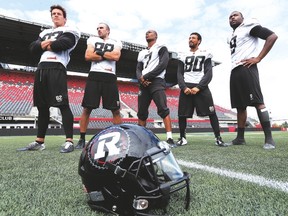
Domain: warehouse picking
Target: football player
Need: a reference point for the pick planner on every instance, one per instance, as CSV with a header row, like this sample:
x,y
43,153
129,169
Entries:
x,y
150,72
102,52
245,87
194,74
53,46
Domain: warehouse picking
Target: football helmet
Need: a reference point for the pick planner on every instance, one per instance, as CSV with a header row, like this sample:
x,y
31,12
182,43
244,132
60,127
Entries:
x,y
126,170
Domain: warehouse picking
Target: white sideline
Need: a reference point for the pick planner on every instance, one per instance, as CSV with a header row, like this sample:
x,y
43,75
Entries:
x,y
283,186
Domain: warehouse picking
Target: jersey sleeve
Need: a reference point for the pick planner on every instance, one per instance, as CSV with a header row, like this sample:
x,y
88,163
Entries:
x,y
261,32
180,75
251,23
207,77
181,56
209,55
141,55
73,30
35,47
119,44
91,41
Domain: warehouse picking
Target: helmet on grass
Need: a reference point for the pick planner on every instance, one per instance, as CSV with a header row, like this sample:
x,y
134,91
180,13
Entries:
x,y
127,170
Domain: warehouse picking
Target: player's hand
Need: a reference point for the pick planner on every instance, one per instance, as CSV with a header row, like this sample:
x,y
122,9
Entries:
x,y
45,44
195,90
144,82
187,91
251,61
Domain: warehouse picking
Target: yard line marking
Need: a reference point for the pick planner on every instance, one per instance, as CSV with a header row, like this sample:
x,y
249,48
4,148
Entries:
x,y
283,186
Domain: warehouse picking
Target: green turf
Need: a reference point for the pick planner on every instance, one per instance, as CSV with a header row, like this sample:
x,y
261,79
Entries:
x,y
47,182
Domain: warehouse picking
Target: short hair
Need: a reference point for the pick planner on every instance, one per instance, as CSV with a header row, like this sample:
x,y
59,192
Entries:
x,y
152,31
107,26
60,8
239,13
198,35
155,33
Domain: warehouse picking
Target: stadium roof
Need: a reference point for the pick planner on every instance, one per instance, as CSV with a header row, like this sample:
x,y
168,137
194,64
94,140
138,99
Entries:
x,y
16,36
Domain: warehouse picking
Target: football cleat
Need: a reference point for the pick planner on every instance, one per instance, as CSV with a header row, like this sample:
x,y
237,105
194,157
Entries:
x,y
67,147
80,144
219,142
171,143
33,146
182,141
238,141
269,146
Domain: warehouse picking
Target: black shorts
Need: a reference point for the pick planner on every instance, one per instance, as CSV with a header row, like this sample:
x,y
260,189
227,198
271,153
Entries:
x,y
245,87
101,86
202,101
50,85
156,92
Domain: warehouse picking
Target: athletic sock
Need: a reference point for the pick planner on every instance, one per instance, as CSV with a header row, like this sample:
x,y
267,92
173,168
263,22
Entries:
x,y
169,135
82,135
264,119
240,133
182,126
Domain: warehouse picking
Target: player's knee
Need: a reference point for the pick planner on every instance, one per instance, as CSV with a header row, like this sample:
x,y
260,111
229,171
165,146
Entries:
x,y
164,113
142,117
116,112
260,106
87,111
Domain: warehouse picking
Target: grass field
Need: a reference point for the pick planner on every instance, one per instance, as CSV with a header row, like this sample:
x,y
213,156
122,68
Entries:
x,y
237,180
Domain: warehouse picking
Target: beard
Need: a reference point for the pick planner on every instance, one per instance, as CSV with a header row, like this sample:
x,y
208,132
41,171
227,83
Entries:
x,y
149,40
234,25
191,45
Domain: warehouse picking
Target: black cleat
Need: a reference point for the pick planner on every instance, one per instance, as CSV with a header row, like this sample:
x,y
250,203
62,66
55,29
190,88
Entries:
x,y
171,143
33,146
80,144
67,147
238,141
182,141
219,142
269,144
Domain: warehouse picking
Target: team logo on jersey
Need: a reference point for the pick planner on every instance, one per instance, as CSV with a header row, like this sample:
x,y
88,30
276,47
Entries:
x,y
251,97
211,108
59,98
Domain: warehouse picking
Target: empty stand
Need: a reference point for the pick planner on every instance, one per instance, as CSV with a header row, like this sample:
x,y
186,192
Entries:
x,y
16,99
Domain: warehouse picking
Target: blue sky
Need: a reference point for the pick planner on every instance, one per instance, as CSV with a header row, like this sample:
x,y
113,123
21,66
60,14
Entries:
x,y
129,20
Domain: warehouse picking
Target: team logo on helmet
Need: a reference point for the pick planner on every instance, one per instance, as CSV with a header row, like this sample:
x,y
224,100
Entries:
x,y
110,145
